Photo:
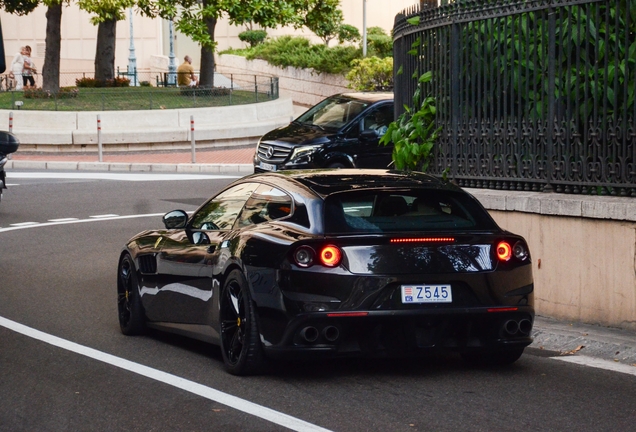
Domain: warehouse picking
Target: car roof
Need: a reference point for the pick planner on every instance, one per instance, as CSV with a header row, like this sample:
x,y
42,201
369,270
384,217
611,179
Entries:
x,y
369,97
325,182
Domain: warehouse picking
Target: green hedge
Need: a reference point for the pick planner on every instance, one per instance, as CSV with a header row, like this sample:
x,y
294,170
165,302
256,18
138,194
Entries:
x,y
299,52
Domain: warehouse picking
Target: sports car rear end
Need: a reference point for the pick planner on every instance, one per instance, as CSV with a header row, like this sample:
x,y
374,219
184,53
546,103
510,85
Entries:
x,y
403,271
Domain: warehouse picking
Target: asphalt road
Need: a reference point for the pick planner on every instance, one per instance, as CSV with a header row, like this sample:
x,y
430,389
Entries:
x,y
64,365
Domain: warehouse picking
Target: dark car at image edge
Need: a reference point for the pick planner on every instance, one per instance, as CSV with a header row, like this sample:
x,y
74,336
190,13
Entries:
x,y
333,263
342,131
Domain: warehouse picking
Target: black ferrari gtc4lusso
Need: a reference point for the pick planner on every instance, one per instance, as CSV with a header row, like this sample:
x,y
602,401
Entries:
x,y
340,262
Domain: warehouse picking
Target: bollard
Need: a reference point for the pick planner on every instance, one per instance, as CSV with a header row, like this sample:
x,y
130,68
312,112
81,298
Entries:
x,y
192,143
99,137
10,121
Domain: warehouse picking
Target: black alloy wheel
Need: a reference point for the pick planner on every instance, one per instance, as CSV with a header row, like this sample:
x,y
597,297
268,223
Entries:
x,y
132,320
497,357
240,340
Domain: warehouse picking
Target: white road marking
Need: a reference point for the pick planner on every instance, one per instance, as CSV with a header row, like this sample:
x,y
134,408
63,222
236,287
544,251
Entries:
x,y
212,394
115,176
598,363
73,221
104,216
63,220
24,224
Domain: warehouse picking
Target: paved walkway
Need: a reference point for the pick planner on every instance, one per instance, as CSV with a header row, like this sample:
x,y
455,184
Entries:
x,y
222,159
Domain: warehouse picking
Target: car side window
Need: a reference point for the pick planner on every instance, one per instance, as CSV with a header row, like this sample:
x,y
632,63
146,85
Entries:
x,y
267,203
378,120
221,212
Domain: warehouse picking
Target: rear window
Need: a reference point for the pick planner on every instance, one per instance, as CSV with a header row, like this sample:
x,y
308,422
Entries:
x,y
420,210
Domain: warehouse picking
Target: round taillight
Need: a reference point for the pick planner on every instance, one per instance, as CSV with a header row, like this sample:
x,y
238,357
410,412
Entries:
x,y
304,256
330,256
520,251
504,251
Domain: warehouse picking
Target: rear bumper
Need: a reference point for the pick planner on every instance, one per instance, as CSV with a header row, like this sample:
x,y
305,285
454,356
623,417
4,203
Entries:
x,y
404,333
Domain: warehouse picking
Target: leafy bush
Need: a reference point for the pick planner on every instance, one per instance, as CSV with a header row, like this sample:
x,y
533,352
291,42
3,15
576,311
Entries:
x,y
63,93
118,82
336,60
371,74
92,82
86,82
379,44
414,132
144,83
348,33
253,37
298,52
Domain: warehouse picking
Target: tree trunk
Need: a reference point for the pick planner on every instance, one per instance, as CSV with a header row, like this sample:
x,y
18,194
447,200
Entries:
x,y
105,51
53,41
207,56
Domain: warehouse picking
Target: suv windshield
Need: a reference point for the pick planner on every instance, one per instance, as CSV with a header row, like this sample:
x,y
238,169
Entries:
x,y
332,113
415,210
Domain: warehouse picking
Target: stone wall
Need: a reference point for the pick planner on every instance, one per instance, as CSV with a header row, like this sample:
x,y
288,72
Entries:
x,y
64,131
305,87
583,251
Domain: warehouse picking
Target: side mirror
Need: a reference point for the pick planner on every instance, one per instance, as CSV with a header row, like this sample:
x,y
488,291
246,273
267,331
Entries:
x,y
175,219
200,238
9,143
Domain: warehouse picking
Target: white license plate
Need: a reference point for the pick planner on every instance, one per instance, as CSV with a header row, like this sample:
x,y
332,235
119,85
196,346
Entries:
x,y
426,294
267,167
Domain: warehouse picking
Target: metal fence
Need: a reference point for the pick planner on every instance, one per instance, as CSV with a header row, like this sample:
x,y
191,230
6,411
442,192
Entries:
x,y
153,92
531,94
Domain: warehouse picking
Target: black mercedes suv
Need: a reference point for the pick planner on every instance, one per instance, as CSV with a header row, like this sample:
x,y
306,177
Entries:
x,y
341,131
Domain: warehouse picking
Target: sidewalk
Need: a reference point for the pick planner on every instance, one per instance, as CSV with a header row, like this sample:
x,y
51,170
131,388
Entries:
x,y
616,345
207,160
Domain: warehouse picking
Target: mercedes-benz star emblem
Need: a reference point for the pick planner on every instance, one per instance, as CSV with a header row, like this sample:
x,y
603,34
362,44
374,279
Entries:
x,y
270,152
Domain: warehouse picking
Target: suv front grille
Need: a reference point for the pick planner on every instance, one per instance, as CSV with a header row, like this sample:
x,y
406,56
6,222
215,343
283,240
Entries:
x,y
272,153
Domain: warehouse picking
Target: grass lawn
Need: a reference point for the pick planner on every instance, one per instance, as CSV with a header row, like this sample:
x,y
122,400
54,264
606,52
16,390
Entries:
x,y
133,98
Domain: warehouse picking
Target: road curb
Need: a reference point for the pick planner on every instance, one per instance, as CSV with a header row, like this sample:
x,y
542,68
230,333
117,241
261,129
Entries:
x,y
611,344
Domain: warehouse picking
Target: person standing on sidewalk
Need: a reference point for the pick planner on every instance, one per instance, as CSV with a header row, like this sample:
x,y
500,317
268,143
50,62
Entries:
x,y
17,64
28,69
185,74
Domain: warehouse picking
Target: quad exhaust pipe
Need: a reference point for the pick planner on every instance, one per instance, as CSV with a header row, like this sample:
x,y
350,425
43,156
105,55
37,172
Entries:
x,y
311,334
514,327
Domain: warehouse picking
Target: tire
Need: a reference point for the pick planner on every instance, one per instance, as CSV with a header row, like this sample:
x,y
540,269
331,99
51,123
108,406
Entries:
x,y
240,339
132,319
500,357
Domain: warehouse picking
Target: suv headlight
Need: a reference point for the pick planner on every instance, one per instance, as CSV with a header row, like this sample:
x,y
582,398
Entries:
x,y
303,152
